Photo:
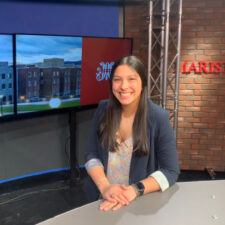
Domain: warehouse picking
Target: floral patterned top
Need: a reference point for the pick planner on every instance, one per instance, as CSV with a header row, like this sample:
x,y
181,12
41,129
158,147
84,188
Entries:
x,y
119,163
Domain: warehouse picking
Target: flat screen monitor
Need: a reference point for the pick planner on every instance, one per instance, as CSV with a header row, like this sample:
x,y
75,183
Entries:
x,y
48,72
58,72
6,76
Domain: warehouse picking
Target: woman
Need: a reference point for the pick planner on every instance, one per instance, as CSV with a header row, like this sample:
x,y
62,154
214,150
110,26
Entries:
x,y
131,149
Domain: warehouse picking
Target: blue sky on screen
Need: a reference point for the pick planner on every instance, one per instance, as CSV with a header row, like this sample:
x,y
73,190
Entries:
x,y
35,48
6,52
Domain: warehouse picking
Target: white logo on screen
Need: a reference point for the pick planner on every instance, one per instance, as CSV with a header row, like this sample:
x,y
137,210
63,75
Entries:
x,y
104,70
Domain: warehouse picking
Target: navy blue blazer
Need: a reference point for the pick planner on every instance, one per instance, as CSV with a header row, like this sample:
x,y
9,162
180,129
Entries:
x,y
162,157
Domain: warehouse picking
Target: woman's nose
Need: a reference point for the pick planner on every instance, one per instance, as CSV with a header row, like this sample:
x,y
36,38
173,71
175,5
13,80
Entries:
x,y
124,84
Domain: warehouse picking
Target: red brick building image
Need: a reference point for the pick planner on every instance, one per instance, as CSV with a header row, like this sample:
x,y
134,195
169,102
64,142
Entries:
x,y
28,84
52,78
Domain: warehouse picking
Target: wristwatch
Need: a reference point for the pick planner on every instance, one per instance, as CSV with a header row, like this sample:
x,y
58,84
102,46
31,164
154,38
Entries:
x,y
140,188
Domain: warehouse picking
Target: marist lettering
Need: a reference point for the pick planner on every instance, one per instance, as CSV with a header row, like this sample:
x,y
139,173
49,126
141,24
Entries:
x,y
203,67
104,71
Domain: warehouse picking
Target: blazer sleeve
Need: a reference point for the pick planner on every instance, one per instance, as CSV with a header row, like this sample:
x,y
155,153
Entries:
x,y
93,144
166,149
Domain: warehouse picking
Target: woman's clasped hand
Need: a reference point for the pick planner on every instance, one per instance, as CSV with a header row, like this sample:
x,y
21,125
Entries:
x,y
116,195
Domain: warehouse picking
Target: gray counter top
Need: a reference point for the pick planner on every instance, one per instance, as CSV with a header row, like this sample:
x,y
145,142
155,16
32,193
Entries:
x,y
185,203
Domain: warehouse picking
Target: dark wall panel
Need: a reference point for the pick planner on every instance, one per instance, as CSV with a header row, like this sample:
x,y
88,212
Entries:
x,y
60,18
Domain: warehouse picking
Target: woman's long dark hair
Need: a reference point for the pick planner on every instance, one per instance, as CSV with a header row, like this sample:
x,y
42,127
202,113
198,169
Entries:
x,y
110,122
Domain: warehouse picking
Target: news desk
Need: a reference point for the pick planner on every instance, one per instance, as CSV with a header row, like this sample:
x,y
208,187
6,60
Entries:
x,y
185,203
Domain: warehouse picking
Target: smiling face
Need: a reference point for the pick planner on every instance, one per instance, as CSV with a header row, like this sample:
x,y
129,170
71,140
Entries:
x,y
126,86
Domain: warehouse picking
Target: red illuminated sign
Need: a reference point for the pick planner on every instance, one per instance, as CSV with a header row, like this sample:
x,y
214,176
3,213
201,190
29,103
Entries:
x,y
203,67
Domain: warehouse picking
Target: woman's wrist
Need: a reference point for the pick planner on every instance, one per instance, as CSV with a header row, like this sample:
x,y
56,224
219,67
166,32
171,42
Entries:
x,y
102,184
139,188
135,190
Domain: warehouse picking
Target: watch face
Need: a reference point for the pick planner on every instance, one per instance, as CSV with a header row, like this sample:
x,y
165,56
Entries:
x,y
140,187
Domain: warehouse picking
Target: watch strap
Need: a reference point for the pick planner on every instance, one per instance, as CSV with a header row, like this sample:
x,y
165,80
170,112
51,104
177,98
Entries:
x,y
140,188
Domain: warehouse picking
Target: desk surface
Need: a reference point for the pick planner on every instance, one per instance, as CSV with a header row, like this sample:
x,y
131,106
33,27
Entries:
x,y
185,203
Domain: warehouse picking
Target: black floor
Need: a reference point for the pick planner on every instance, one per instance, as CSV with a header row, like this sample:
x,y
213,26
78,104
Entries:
x,y
31,205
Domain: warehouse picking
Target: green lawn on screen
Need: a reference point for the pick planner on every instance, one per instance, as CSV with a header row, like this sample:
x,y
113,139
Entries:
x,y
35,107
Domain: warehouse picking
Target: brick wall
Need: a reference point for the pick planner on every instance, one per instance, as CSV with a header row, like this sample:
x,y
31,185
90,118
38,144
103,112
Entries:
x,y
136,26
201,117
201,132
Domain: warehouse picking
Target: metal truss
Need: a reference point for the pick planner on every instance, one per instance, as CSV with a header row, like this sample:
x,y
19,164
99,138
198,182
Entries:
x,y
164,54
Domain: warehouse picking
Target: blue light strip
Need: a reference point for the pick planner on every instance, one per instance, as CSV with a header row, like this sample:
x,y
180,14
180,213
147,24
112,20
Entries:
x,y
38,173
